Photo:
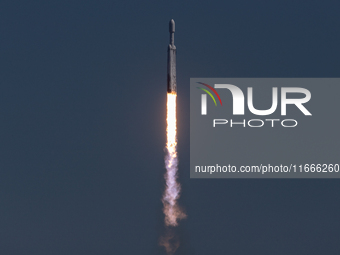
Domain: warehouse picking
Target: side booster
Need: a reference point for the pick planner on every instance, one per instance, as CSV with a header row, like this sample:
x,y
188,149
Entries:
x,y
172,86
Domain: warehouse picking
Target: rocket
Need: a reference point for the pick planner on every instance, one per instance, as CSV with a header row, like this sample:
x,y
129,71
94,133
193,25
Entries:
x,y
172,87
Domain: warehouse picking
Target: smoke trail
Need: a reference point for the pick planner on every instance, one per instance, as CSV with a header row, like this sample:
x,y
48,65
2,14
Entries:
x,y
169,241
171,209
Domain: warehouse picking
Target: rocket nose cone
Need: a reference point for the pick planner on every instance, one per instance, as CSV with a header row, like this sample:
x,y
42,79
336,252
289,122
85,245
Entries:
x,y
172,26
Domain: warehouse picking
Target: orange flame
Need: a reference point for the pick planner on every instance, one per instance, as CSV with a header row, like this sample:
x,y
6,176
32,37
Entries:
x,y
172,211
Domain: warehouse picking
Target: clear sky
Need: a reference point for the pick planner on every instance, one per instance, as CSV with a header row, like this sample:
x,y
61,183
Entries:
x,y
82,132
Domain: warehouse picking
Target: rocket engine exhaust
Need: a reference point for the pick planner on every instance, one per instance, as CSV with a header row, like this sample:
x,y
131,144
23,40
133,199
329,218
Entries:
x,y
173,213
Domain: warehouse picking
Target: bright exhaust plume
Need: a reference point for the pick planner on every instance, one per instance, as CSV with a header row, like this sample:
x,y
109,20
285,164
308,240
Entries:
x,y
172,211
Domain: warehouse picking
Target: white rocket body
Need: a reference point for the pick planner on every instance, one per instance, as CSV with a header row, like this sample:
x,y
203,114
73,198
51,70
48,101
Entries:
x,y
172,86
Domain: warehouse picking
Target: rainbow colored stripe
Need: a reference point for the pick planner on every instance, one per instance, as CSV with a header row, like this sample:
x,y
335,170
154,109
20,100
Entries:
x,y
213,90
